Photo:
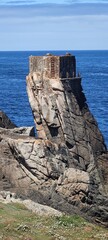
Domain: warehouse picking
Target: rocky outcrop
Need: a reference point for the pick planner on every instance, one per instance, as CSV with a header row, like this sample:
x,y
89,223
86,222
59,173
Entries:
x,y
66,166
5,122
39,209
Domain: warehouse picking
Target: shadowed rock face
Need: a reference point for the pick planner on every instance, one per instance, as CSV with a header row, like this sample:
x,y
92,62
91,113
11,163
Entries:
x,y
5,122
66,167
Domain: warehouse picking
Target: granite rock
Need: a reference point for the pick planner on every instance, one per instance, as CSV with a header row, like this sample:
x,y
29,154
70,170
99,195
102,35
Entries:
x,y
66,166
5,122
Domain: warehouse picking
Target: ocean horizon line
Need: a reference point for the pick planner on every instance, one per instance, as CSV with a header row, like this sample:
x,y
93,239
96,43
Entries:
x,y
57,50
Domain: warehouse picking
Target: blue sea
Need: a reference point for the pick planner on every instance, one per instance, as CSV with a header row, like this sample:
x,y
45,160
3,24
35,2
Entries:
x,y
92,65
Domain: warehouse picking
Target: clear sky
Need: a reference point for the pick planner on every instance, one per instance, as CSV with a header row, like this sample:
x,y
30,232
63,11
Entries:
x,y
53,25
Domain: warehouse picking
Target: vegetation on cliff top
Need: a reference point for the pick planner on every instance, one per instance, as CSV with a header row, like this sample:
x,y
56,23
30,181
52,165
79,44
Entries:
x,y
16,222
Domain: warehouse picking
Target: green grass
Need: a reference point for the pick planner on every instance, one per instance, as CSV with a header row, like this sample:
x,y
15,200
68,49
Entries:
x,y
16,222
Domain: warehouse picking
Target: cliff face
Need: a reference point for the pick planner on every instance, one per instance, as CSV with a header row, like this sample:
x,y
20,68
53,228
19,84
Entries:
x,y
59,106
66,166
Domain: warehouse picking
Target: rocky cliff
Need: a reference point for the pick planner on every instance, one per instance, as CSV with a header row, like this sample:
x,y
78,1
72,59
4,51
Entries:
x,y
66,165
